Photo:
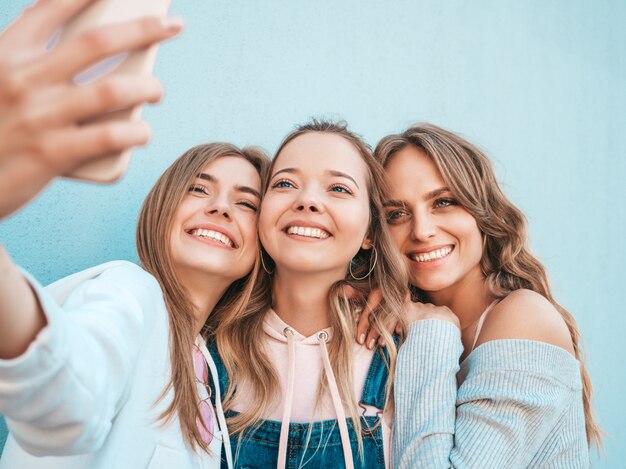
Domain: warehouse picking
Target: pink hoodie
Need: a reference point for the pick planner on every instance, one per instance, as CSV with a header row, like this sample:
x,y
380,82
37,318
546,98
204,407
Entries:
x,y
307,371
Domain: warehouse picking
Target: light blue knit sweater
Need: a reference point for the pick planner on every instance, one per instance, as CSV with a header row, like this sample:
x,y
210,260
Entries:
x,y
517,404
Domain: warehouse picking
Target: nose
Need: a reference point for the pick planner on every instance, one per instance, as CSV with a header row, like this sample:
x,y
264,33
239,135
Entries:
x,y
218,206
424,226
308,202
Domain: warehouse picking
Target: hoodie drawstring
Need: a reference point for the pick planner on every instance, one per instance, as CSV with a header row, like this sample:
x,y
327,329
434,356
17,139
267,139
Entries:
x,y
291,375
322,337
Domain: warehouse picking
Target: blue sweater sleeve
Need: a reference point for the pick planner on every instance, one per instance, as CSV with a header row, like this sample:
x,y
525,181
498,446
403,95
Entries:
x,y
513,398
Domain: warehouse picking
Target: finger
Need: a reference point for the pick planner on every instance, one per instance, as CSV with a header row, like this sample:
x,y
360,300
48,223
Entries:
x,y
39,21
373,300
68,59
372,338
392,325
362,327
348,291
61,151
82,103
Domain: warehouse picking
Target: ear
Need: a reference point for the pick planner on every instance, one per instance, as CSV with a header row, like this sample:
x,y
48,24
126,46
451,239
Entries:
x,y
367,244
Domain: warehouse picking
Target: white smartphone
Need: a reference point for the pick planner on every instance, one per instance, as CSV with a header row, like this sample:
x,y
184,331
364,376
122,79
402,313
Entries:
x,y
112,167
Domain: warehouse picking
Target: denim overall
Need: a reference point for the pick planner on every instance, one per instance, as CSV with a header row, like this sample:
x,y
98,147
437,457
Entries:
x,y
315,445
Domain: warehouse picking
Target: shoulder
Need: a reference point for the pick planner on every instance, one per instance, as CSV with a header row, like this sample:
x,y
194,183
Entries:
x,y
105,280
527,315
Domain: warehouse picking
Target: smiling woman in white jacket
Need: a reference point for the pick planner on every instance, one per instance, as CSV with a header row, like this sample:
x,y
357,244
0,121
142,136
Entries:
x,y
107,368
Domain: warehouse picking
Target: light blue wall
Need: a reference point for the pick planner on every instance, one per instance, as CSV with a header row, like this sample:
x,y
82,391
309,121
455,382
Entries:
x,y
541,85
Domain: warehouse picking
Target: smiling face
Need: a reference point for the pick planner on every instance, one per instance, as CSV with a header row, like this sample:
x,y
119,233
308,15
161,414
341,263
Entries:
x,y
439,239
214,227
315,214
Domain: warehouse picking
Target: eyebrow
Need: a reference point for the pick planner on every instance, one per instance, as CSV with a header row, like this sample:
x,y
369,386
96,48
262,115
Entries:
x,y
428,196
329,171
393,203
238,188
342,175
436,193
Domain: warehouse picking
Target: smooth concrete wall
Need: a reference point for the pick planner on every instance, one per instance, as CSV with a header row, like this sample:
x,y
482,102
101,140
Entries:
x,y
541,85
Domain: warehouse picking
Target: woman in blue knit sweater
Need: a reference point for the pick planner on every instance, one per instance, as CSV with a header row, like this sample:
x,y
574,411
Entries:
x,y
491,374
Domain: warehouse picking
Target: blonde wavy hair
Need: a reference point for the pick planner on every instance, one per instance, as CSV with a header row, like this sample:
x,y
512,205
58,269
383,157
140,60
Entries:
x,y
238,336
153,234
507,262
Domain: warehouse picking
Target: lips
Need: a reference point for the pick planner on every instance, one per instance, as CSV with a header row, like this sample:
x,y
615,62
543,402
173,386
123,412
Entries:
x,y
431,254
215,234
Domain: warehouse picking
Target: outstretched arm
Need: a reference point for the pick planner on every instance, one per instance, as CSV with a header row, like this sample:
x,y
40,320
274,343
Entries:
x,y
21,317
41,108
62,394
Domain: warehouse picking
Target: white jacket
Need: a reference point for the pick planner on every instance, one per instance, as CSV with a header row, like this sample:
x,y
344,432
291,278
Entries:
x,y
86,392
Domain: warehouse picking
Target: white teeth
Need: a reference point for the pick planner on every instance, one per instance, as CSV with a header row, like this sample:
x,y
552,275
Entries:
x,y
432,255
308,232
215,235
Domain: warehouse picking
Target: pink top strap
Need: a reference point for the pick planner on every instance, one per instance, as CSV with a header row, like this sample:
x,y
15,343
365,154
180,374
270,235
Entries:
x,y
481,321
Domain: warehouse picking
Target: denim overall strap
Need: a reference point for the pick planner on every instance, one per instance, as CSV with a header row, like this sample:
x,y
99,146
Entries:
x,y
376,381
221,369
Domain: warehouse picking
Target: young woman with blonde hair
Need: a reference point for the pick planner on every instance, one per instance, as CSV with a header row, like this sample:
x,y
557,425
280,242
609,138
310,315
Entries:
x,y
108,367
523,392
291,357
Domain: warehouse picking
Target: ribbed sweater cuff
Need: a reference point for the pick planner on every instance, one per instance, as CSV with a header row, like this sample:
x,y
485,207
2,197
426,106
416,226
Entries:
x,y
433,346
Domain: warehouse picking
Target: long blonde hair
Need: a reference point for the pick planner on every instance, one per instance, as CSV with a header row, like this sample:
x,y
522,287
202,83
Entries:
x,y
238,336
153,234
507,262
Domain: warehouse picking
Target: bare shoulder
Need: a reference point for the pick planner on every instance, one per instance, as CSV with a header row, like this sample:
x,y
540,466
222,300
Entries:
x,y
525,314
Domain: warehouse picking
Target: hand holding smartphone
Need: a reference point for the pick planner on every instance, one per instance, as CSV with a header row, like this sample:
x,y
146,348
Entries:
x,y
49,125
140,62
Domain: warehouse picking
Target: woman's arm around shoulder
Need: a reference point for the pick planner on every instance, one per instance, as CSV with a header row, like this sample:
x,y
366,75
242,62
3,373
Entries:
x,y
516,391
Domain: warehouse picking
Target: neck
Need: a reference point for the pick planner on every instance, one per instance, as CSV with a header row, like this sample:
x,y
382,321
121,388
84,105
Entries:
x,y
204,291
468,298
301,300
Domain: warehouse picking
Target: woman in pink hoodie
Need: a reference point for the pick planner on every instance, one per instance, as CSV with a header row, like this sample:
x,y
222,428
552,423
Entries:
x,y
306,392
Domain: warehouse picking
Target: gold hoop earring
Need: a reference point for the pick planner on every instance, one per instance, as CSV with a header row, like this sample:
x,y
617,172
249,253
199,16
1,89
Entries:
x,y
371,268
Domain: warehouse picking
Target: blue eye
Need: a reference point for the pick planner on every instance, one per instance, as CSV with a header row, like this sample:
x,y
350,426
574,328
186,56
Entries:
x,y
441,203
396,216
282,184
340,189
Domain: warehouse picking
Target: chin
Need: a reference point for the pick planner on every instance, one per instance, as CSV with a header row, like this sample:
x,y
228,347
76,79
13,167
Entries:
x,y
430,285
308,266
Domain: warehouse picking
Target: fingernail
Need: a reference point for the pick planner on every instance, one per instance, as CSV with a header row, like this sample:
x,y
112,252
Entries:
x,y
371,344
361,339
173,23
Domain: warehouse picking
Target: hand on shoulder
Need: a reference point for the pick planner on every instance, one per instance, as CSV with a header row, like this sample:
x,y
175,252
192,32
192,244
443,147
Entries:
x,y
525,314
422,311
